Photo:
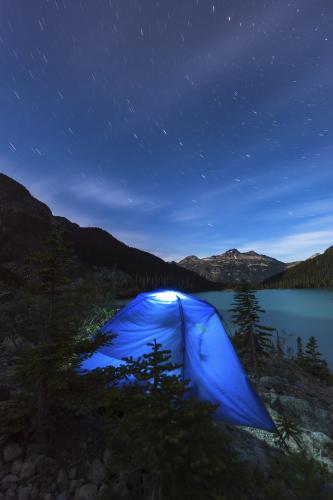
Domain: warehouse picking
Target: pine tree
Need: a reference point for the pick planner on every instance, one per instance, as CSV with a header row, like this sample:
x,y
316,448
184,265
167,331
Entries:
x,y
313,362
46,368
312,355
252,339
299,353
166,439
279,349
287,430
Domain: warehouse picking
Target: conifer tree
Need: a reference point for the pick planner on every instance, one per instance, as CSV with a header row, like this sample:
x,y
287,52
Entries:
x,y
313,362
312,355
166,437
299,353
279,348
46,368
252,339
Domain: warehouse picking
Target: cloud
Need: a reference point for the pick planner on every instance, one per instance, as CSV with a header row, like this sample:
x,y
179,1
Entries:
x,y
109,195
296,246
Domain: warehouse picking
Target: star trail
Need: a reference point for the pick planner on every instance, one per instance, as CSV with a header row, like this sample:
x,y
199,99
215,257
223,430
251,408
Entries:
x,y
182,127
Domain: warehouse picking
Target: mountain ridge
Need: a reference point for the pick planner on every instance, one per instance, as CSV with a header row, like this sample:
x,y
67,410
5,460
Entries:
x,y
314,272
233,266
25,223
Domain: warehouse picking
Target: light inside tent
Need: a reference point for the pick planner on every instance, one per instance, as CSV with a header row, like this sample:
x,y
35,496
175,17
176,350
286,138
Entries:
x,y
168,296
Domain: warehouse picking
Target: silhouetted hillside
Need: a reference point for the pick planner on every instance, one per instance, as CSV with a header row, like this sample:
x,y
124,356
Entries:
x,y
316,272
25,223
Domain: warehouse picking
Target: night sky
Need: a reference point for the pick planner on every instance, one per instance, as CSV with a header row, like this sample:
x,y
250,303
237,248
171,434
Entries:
x,y
180,126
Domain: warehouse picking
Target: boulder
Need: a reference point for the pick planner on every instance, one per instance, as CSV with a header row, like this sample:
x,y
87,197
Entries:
x,y
4,392
72,473
44,465
62,480
35,492
103,490
62,496
9,479
86,492
75,484
16,467
11,494
28,469
6,296
97,472
107,456
24,492
12,451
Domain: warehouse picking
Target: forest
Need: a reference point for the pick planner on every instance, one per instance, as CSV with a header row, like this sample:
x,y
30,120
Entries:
x,y
159,443
316,272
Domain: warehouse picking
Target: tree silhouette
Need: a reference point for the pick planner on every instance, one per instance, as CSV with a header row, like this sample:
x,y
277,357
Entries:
x,y
252,339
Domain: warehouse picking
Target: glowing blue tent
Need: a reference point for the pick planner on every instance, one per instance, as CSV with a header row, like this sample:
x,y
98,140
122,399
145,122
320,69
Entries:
x,y
192,330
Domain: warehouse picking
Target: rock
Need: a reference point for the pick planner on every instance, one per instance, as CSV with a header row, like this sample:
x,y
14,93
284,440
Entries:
x,y
44,465
72,473
103,490
308,415
47,496
28,470
234,266
319,446
86,492
10,478
278,383
4,392
97,472
16,467
23,493
62,480
62,496
120,488
75,484
35,492
107,456
6,296
12,451
10,494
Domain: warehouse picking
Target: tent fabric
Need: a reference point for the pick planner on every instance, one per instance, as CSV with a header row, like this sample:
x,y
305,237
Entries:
x,y
194,333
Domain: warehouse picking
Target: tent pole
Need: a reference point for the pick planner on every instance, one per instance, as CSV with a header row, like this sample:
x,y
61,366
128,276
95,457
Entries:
x,y
182,319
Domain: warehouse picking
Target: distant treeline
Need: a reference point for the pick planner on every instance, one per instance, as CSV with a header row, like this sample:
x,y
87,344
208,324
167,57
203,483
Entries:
x,y
312,273
154,281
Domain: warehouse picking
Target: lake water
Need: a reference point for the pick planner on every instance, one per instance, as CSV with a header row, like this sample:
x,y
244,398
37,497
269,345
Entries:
x,y
292,312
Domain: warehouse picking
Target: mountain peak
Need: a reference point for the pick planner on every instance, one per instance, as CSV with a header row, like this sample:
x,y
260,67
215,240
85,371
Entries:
x,y
9,185
234,267
232,251
314,256
16,198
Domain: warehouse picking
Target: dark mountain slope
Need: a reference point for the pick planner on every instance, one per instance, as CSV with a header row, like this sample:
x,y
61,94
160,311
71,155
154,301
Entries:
x,y
316,272
25,223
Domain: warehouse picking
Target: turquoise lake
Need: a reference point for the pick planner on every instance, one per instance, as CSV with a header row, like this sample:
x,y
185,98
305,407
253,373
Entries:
x,y
292,312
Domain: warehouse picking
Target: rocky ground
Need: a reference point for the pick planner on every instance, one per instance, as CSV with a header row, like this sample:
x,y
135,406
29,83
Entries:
x,y
25,475
301,398
82,472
